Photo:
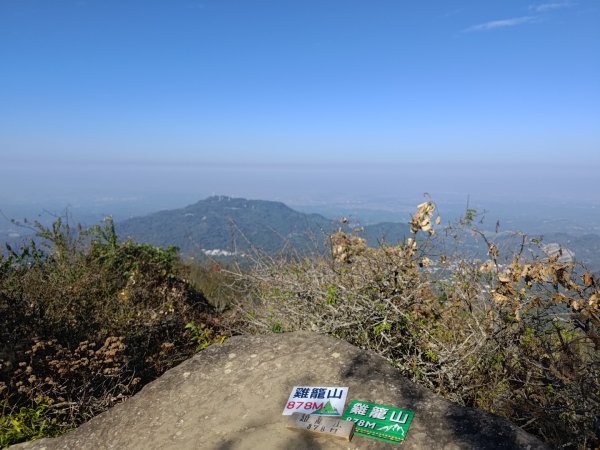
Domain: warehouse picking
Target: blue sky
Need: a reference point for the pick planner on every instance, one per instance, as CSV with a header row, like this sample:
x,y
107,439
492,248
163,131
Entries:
x,y
289,83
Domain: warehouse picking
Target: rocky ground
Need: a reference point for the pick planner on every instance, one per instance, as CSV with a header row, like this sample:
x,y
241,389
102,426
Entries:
x,y
231,396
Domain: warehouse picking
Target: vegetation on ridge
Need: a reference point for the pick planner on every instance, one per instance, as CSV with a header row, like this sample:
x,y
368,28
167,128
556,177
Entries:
x,y
86,321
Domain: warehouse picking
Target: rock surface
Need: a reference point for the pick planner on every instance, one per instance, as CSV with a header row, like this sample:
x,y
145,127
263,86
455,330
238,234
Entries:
x,y
231,396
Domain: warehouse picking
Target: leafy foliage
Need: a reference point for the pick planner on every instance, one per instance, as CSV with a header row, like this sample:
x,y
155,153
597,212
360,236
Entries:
x,y
25,424
203,336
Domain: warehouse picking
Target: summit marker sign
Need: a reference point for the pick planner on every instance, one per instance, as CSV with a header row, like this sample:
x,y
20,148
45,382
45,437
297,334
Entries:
x,y
386,423
321,400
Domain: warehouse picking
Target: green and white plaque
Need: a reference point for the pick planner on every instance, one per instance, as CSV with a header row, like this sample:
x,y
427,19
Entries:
x,y
386,423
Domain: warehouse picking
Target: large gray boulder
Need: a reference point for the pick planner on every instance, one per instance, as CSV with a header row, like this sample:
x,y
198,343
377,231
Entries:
x,y
231,396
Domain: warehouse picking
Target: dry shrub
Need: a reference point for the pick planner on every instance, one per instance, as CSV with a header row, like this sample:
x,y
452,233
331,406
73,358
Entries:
x,y
519,339
86,322
215,281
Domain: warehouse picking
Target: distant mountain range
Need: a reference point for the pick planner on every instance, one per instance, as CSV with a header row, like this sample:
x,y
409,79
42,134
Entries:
x,y
220,225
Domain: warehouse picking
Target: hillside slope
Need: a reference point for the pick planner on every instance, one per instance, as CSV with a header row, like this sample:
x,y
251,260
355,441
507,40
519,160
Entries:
x,y
236,225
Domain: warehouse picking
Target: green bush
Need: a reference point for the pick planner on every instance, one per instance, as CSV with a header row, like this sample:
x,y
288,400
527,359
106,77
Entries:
x,y
25,424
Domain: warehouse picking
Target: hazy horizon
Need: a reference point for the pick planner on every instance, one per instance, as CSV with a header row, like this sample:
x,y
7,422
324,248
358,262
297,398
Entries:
x,y
522,195
149,105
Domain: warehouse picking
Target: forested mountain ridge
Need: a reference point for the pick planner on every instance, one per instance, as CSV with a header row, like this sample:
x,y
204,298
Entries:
x,y
235,225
